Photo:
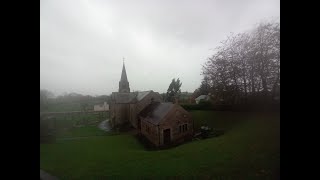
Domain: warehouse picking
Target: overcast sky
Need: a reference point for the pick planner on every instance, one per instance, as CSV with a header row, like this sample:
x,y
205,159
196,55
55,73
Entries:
x,y
83,42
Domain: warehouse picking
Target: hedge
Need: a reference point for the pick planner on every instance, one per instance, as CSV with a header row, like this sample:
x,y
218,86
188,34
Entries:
x,y
235,107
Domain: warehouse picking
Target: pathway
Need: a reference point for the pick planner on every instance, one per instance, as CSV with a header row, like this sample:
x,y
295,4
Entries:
x,y
45,176
105,125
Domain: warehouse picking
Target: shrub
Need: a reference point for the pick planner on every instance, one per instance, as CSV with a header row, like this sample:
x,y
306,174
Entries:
x,y
46,133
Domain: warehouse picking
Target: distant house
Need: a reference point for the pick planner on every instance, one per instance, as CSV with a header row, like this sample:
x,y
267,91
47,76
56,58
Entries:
x,y
101,107
165,124
202,97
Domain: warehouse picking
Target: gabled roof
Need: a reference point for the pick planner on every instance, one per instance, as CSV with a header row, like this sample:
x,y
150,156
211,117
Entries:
x,y
131,97
142,94
121,98
155,112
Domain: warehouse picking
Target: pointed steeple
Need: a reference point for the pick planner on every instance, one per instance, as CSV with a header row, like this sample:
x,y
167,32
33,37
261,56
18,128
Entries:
x,y
124,83
124,74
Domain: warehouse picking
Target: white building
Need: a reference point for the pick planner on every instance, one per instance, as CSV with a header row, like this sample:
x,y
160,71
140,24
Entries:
x,y
202,97
101,107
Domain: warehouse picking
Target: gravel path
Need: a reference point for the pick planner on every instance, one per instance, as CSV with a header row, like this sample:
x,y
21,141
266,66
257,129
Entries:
x,y
45,176
105,125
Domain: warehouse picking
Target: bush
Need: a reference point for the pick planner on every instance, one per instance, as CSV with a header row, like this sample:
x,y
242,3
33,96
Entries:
x,y
206,106
236,107
46,133
205,130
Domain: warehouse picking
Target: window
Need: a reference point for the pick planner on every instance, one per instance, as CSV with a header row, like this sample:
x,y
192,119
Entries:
x,y
183,128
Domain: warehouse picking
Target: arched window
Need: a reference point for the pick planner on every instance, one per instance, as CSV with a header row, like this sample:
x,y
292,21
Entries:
x,y
183,128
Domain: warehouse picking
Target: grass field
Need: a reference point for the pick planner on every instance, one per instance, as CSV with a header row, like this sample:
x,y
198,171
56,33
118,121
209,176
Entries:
x,y
82,132
56,107
79,125
249,150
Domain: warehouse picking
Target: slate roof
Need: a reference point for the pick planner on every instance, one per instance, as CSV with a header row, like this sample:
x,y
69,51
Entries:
x,y
123,98
142,94
155,112
124,74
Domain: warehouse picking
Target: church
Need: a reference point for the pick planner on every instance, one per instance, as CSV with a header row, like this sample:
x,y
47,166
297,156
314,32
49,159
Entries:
x,y
162,123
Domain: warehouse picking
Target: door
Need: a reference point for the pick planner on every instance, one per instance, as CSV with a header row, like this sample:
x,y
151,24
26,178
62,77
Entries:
x,y
166,136
139,123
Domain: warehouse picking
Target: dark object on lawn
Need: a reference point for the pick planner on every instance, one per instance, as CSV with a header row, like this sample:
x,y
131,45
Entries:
x,y
205,131
47,131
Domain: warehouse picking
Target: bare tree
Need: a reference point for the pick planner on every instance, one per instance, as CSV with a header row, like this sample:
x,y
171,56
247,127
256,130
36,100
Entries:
x,y
246,64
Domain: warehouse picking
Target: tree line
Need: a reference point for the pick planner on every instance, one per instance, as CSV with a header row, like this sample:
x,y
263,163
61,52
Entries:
x,y
245,68
69,101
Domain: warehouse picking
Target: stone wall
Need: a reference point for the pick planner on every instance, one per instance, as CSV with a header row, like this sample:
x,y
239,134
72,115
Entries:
x,y
150,131
133,116
174,119
119,114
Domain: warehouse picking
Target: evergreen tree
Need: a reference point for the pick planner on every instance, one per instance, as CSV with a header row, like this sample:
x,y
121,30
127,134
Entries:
x,y
174,90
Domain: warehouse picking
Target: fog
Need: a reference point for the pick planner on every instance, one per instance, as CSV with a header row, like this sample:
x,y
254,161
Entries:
x,y
83,42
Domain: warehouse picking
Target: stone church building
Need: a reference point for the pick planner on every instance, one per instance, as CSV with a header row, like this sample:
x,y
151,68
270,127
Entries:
x,y
161,123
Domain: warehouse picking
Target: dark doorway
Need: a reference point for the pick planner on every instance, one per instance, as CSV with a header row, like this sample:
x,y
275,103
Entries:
x,y
166,136
139,123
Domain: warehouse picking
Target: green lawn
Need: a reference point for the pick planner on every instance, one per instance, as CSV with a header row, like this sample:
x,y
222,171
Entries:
x,y
217,119
250,150
78,125
56,107
82,132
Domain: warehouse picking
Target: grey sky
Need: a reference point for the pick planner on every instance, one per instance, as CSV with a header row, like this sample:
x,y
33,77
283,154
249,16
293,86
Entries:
x,y
82,42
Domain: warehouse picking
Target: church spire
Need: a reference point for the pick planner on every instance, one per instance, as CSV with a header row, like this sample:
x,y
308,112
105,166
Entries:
x,y
124,73
124,83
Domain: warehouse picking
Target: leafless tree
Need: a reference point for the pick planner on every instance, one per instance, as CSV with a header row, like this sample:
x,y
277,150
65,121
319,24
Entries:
x,y
246,64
